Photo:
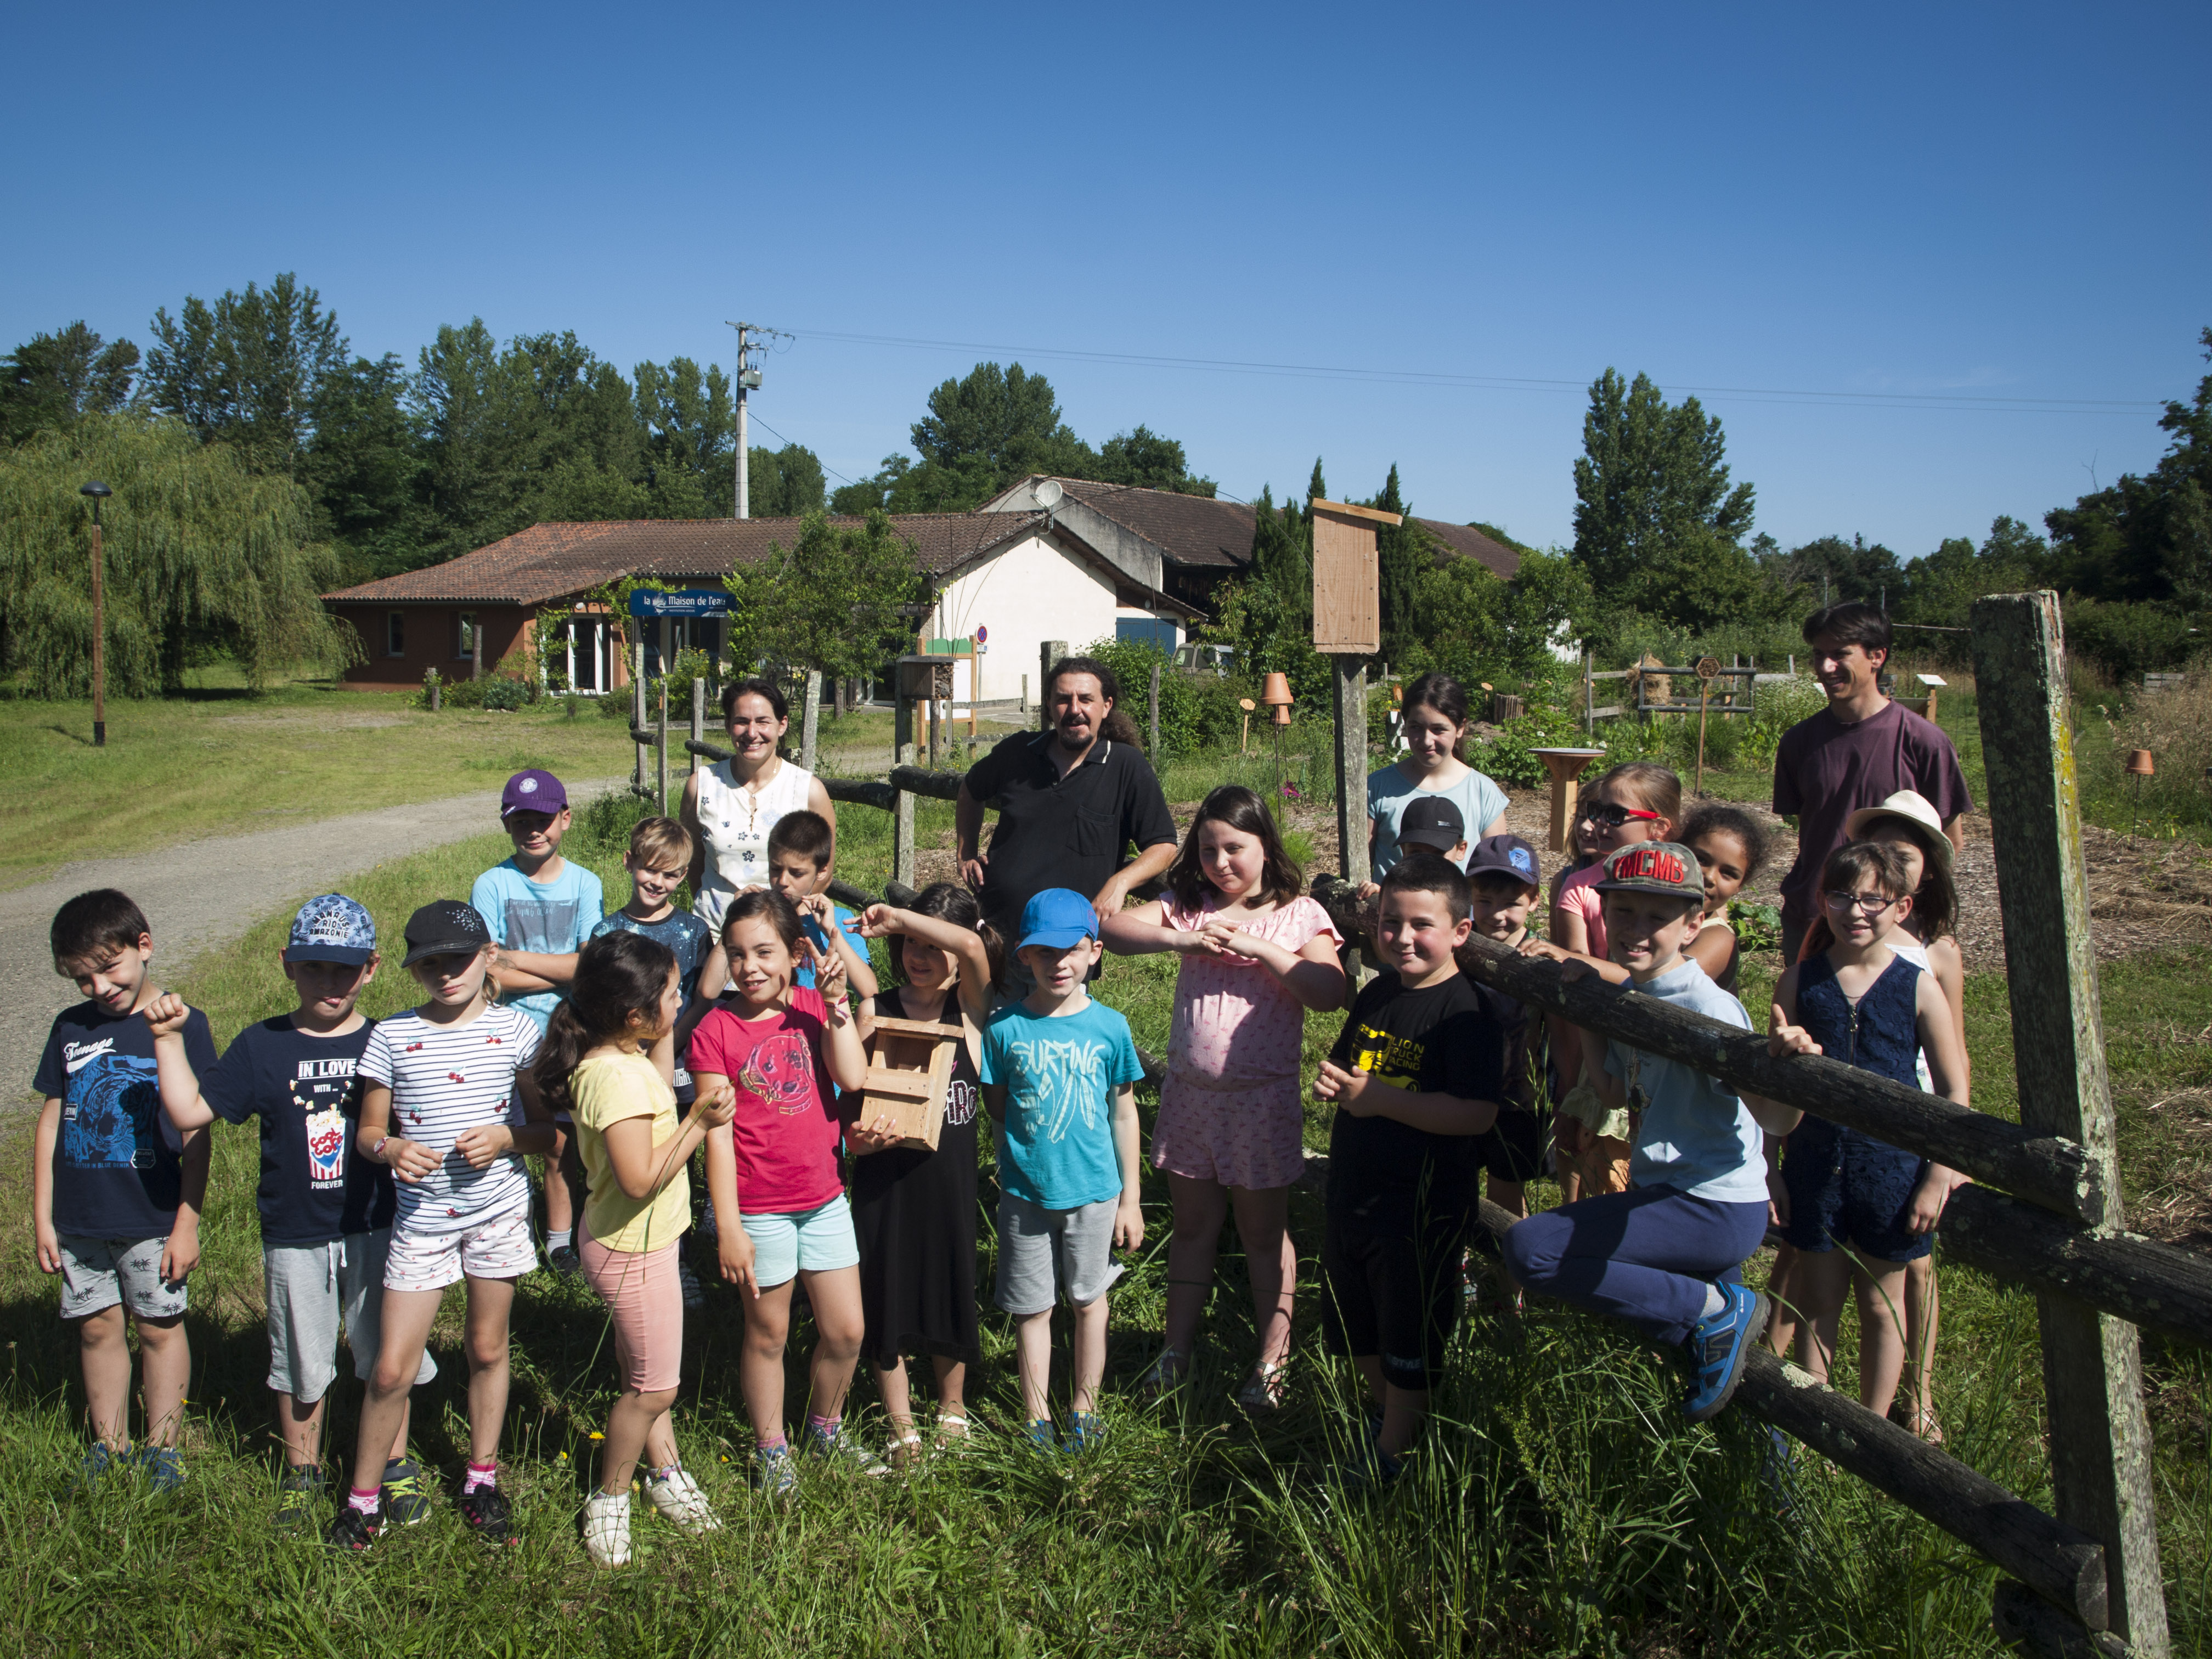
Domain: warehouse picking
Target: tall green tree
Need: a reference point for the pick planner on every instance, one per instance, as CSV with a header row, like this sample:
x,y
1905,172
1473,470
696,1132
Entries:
x,y
783,484
1829,569
247,368
690,435
1402,552
364,470
1657,525
1147,460
51,379
830,601
204,556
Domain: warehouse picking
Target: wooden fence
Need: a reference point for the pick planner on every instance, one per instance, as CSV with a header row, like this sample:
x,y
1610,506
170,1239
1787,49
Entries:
x,y
2046,1211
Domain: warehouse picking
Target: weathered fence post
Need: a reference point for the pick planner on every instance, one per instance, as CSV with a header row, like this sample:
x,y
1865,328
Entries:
x,y
1048,652
2100,1463
902,802
1152,717
698,718
638,782
1351,676
662,751
810,721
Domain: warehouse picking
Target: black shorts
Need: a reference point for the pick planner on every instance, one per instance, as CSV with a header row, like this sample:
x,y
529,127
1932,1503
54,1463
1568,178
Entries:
x,y
1393,1294
1512,1149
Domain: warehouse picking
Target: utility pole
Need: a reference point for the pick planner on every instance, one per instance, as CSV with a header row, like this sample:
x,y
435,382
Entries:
x,y
747,378
98,492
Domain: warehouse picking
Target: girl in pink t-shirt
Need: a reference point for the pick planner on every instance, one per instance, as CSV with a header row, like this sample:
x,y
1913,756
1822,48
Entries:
x,y
779,1198
1231,1130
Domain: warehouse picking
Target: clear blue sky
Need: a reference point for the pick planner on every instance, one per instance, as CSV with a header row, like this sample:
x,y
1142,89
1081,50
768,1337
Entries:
x,y
2002,202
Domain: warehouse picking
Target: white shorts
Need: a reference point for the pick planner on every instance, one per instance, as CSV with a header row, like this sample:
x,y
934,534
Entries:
x,y
311,1287
499,1246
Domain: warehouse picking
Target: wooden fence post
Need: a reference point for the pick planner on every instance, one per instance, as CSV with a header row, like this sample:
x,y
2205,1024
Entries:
x,y
637,718
1048,652
810,721
2100,1454
1152,717
1351,676
662,751
902,807
698,718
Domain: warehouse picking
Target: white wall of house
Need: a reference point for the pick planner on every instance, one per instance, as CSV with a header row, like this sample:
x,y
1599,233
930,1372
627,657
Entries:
x,y
1025,593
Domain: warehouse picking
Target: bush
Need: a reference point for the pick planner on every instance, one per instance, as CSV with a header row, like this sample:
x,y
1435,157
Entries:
x,y
2129,641
1508,757
504,695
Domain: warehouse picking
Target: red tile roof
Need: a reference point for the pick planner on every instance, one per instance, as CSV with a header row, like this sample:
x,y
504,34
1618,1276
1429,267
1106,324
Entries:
x,y
1464,538
1189,530
550,561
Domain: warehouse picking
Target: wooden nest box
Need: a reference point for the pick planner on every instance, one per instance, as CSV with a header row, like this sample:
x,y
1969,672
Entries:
x,y
909,1072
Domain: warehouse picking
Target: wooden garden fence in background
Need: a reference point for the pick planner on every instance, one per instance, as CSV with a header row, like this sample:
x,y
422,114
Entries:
x,y
2045,1211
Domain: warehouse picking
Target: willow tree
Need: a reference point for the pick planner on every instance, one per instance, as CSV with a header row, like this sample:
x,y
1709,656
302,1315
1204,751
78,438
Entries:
x,y
202,558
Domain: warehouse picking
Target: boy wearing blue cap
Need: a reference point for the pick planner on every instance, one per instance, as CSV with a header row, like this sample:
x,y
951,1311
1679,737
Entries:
x,y
325,1210
1058,1070
541,911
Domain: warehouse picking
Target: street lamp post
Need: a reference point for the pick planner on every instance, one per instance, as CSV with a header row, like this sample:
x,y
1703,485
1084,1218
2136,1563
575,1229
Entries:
x,y
98,492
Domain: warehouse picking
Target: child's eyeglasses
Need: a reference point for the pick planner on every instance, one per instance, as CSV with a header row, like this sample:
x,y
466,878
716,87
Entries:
x,y
1612,816
1872,904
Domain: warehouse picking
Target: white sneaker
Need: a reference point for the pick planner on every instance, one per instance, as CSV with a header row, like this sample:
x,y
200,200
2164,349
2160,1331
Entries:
x,y
681,1503
606,1529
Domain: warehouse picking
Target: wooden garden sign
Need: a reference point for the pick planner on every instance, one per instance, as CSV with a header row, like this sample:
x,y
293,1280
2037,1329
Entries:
x,y
909,1071
1348,626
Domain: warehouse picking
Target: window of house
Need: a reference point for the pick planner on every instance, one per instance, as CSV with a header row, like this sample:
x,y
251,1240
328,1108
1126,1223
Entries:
x,y
395,634
467,634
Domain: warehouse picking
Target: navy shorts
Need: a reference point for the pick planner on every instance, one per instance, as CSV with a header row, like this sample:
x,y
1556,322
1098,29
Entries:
x,y
1512,1149
1848,1189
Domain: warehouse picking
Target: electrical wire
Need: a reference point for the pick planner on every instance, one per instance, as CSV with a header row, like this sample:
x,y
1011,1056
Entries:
x,y
1943,400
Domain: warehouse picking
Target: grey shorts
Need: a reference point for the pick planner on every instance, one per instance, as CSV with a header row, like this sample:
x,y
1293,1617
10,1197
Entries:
x,y
1043,1251
311,1288
99,1272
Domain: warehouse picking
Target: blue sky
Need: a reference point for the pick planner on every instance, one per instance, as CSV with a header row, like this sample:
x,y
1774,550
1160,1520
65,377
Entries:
x,y
1927,204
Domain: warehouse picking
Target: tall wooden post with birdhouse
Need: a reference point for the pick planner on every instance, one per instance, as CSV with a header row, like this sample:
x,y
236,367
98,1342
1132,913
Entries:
x,y
1348,628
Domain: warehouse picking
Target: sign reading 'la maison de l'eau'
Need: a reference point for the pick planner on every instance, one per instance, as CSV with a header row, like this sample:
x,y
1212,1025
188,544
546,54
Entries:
x,y
689,601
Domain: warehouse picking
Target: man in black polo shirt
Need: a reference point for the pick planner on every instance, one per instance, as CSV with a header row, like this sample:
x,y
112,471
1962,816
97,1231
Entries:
x,y
1070,800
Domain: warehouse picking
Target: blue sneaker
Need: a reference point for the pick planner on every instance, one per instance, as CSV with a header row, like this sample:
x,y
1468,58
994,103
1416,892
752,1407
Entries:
x,y
164,1467
98,1462
776,1475
1086,1432
1719,1344
1371,1469
1042,1435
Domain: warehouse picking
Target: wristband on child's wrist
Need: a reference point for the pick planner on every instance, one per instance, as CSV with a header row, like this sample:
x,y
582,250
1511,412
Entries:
x,y
376,1153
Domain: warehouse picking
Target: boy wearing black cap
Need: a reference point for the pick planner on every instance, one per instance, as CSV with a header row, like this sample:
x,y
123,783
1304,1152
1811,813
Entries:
x,y
541,911
448,1104
1503,880
325,1210
1667,1255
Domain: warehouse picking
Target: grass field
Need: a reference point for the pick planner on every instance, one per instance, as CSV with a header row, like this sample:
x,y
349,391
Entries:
x,y
1559,1504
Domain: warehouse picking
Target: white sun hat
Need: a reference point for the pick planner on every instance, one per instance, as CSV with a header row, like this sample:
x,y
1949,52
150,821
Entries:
x,y
1912,806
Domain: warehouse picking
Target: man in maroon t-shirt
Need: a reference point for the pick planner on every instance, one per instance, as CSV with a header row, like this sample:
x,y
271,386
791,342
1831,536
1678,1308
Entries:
x,y
1857,752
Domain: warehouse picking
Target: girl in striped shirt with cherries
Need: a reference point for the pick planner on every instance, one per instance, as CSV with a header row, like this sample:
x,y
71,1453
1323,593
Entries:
x,y
448,1102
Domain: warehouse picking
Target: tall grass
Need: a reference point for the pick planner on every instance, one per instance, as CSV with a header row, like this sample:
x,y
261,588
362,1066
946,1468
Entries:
x,y
2176,726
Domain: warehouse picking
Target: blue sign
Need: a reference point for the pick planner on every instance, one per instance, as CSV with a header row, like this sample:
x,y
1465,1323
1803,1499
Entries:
x,y
692,602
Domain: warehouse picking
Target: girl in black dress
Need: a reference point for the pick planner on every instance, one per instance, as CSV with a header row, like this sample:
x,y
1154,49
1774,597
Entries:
x,y
915,1209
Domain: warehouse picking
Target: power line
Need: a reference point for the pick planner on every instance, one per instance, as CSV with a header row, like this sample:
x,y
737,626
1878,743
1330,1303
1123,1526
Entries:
x,y
773,433
1941,400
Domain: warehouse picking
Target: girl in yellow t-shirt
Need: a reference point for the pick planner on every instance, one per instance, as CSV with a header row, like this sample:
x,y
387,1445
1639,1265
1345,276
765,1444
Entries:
x,y
596,1064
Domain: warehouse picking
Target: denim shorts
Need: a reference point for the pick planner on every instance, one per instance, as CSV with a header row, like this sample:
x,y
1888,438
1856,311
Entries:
x,y
818,1240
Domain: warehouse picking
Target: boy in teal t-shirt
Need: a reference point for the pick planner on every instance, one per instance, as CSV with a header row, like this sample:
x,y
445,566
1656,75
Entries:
x,y
1057,1074
541,911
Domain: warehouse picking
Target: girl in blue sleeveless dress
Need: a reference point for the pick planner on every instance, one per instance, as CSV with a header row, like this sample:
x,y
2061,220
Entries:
x,y
1858,1210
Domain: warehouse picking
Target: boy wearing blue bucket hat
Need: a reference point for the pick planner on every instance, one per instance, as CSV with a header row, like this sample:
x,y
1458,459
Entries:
x,y
1058,1070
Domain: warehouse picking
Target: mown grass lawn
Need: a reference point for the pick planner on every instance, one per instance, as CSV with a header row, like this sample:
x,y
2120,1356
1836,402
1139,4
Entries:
x,y
1559,1504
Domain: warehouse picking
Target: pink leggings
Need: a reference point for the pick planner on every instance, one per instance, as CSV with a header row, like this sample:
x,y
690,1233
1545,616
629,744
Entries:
x,y
645,1299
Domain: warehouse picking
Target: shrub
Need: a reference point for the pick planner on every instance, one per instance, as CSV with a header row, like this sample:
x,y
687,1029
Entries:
x,y
2128,640
504,695
1508,757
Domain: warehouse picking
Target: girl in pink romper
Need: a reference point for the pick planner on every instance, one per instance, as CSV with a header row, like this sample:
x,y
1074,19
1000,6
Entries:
x,y
1231,1130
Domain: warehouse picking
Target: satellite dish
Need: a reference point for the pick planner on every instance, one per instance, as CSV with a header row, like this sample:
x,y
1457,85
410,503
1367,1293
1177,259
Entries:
x,y
1048,494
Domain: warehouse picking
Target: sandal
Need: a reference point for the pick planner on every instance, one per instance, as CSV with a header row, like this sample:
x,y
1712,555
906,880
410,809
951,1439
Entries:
x,y
953,1434
1265,1388
1164,1375
1917,1419
905,1452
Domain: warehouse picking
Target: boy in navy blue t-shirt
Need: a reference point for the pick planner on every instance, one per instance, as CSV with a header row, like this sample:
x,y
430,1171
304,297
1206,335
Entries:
x,y
325,1210
115,1193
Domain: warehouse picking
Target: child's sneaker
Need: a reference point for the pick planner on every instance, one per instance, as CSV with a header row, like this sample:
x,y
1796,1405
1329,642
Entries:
x,y
404,1492
606,1529
300,1493
681,1503
1042,1435
351,1532
564,1261
1371,1469
843,1451
164,1467
1086,1432
775,1473
98,1462
1163,1375
1719,1344
693,1296
490,1515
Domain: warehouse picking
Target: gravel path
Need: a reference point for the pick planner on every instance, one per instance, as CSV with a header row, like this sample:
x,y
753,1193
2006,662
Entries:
x,y
204,894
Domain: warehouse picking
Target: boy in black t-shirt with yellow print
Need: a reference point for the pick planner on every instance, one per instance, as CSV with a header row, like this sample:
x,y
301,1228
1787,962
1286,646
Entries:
x,y
1416,1074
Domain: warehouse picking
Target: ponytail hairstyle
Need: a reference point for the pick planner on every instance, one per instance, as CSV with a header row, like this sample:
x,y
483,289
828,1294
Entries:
x,y
758,901
948,901
1440,691
620,977
1116,727
1655,787
1239,808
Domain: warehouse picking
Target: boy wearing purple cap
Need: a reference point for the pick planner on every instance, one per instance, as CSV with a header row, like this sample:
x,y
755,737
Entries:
x,y
1058,1073
541,911
325,1210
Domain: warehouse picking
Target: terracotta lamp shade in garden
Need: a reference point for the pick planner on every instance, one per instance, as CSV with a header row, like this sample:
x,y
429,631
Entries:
x,y
1276,694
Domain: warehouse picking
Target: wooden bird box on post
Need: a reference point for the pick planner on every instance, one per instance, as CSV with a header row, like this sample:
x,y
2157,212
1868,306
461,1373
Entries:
x,y
1348,626
909,1072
